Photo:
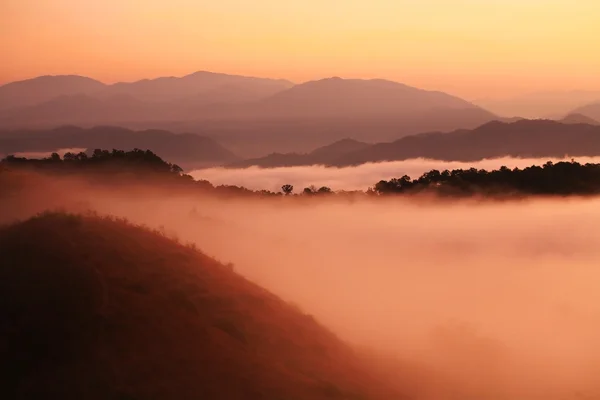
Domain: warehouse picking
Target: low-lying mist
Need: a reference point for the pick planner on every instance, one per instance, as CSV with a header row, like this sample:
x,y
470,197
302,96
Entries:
x,y
493,300
359,177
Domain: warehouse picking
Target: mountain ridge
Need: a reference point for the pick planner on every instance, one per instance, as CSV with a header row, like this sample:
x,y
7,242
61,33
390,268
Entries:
x,y
185,149
523,138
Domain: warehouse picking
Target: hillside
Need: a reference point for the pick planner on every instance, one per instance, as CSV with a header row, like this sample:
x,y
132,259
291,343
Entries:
x,y
99,309
187,150
523,138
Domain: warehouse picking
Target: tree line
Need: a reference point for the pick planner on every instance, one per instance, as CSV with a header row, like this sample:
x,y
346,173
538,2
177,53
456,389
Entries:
x,y
562,178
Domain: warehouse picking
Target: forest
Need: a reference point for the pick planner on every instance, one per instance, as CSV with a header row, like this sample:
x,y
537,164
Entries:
x,y
558,179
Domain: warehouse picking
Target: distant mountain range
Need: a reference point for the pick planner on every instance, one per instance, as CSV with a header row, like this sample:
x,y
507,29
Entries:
x,y
199,88
48,101
524,138
337,97
45,88
551,105
251,116
591,111
576,118
187,150
257,116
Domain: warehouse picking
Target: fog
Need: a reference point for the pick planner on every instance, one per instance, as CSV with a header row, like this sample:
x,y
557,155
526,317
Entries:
x,y
493,300
353,178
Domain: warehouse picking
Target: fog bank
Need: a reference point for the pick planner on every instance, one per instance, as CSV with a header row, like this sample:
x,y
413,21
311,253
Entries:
x,y
502,299
353,178
492,300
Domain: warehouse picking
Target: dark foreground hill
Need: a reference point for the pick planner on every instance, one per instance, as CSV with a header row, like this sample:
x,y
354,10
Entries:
x,y
97,308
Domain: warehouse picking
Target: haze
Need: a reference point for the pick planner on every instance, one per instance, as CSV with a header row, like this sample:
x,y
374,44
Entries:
x,y
360,177
493,300
475,49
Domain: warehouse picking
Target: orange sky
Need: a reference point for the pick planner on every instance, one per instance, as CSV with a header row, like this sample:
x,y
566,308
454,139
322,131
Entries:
x,y
474,48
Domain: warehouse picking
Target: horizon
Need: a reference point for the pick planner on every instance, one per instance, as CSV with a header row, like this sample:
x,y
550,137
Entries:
x,y
462,48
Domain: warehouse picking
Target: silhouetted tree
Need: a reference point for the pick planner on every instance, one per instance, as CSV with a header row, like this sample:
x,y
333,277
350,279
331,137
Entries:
x,y
287,189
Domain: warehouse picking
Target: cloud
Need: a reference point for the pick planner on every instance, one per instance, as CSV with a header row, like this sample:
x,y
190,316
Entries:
x,y
352,178
500,299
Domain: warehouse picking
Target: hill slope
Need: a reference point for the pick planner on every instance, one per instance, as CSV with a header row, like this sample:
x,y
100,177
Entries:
x,y
99,309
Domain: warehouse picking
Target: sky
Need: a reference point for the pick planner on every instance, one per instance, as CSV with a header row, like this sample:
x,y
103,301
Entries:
x,y
472,48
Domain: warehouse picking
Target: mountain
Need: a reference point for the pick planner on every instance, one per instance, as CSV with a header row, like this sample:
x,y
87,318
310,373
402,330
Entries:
x,y
540,105
186,149
338,148
318,113
524,138
589,110
49,100
350,98
321,156
578,119
44,88
97,308
201,88
83,109
254,116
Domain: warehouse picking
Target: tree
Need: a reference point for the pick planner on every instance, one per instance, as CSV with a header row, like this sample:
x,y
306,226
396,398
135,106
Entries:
x,y
324,190
312,189
287,189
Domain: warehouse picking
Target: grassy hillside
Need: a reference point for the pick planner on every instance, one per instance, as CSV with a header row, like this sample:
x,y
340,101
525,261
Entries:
x,y
97,308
